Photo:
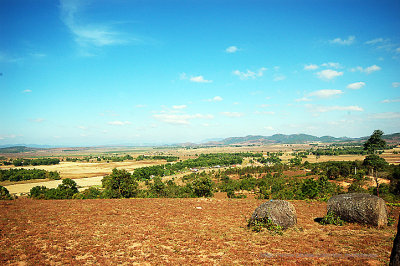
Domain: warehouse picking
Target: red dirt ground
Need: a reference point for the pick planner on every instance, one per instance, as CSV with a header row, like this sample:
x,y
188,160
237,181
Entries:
x,y
177,231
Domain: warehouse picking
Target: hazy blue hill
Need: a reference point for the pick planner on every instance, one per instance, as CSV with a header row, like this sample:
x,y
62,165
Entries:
x,y
16,149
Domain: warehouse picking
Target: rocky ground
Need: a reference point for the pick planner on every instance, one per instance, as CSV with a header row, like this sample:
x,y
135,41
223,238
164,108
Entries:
x,y
178,231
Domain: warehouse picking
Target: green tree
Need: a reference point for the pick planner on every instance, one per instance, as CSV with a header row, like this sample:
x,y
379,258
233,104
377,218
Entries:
x,y
375,163
68,188
38,192
119,184
375,142
202,186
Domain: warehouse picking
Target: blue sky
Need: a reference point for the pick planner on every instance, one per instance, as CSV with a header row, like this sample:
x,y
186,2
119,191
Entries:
x,y
133,72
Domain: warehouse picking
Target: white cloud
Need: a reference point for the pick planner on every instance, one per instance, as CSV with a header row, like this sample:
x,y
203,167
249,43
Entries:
x,y
386,115
232,114
329,74
249,74
397,50
140,105
395,84
265,105
310,67
371,69
38,120
89,34
83,127
396,100
179,107
356,85
325,93
215,99
304,99
375,41
200,79
279,77
264,112
323,109
2,137
367,70
269,128
27,91
350,40
231,49
180,119
119,123
332,64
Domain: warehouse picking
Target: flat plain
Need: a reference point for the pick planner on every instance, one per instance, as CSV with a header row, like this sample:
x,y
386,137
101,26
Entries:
x,y
178,231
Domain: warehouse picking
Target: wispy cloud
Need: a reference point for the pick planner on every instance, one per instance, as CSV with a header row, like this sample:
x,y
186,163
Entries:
x,y
215,99
38,120
264,112
396,100
310,67
196,79
249,74
328,74
324,109
332,64
325,93
119,123
200,79
350,40
367,70
232,114
27,91
304,99
375,41
89,35
231,49
356,85
279,77
179,107
179,119
395,84
386,115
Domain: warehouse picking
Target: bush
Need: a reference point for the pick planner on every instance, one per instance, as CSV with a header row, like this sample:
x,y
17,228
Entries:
x,y
90,193
66,190
203,187
266,223
332,218
5,194
119,184
38,192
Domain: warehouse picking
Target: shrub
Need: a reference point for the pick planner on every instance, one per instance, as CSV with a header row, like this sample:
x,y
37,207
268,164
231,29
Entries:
x,y
202,187
5,194
90,193
332,218
266,223
119,184
38,192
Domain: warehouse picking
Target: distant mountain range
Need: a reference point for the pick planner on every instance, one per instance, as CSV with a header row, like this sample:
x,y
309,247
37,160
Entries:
x,y
247,140
294,139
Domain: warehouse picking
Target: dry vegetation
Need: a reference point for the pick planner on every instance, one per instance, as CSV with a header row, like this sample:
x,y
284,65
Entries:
x,y
177,231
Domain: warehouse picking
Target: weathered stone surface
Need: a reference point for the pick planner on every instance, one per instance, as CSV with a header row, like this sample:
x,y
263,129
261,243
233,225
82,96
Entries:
x,y
395,256
280,212
359,208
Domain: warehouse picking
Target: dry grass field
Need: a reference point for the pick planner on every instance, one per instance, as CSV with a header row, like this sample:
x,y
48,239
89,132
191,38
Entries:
x,y
177,231
83,169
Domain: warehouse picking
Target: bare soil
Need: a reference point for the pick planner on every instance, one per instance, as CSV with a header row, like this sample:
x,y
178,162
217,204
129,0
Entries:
x,y
178,231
